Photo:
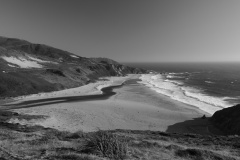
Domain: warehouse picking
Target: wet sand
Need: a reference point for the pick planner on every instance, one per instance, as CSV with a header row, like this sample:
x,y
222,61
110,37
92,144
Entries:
x,y
134,106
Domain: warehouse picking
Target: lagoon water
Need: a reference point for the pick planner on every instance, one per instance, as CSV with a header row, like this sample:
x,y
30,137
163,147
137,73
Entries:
x,y
208,86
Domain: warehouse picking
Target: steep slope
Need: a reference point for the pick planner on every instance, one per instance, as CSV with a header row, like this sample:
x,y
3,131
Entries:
x,y
27,68
228,119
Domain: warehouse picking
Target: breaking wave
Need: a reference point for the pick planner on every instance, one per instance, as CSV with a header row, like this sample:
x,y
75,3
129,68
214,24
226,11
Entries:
x,y
178,91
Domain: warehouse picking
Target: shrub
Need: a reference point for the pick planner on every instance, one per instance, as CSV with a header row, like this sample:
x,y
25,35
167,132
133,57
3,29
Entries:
x,y
198,154
108,145
193,153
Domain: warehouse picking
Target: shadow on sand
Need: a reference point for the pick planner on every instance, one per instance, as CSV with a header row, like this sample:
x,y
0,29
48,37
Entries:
x,y
201,126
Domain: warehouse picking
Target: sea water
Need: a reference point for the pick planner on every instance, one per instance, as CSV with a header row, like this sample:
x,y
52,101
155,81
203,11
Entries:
x,y
208,86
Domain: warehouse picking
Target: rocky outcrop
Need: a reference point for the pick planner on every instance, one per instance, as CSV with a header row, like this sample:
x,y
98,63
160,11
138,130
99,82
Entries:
x,y
27,68
228,120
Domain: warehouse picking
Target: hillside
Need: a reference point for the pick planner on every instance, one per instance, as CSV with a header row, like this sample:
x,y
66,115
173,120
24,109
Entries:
x,y
27,68
21,142
228,120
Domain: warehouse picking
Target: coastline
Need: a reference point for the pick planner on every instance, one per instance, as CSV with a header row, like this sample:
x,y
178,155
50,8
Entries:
x,y
177,91
134,106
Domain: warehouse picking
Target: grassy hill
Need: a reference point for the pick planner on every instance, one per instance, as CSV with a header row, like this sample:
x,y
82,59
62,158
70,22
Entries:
x,y
27,68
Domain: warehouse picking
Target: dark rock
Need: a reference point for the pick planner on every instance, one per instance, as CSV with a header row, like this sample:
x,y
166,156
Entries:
x,y
228,119
204,116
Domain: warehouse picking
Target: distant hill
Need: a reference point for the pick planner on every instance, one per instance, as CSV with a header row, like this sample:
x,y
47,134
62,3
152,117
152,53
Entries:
x,y
27,68
228,119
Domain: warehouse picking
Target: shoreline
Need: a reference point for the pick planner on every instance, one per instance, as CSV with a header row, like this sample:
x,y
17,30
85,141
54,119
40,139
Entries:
x,y
132,106
175,91
91,90
191,106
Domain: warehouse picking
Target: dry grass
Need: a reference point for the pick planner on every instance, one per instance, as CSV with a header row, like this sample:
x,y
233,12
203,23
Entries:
x,y
201,154
38,143
108,145
56,145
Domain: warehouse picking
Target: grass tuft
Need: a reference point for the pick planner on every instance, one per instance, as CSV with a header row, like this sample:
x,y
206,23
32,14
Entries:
x,y
190,153
198,154
108,145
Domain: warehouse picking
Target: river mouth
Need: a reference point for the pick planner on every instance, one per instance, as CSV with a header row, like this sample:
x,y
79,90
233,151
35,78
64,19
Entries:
x,y
107,92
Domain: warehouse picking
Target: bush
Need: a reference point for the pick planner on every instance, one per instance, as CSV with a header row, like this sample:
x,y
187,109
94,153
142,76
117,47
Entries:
x,y
187,153
198,154
108,145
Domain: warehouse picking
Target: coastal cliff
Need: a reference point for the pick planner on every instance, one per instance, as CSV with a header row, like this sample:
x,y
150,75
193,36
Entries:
x,y
27,68
228,120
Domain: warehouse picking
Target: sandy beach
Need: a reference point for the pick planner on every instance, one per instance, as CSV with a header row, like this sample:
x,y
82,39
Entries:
x,y
134,106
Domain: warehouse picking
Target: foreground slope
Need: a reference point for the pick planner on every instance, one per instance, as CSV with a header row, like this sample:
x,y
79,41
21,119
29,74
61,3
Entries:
x,y
35,142
27,68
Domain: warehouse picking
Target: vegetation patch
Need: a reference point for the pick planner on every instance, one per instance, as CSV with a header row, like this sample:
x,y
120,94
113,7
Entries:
x,y
38,143
197,154
56,72
108,145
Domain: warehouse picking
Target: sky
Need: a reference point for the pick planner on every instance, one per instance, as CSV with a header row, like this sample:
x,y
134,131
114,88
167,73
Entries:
x,y
129,30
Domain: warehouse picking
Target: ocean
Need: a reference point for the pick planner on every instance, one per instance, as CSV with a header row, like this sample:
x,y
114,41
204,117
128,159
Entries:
x,y
208,86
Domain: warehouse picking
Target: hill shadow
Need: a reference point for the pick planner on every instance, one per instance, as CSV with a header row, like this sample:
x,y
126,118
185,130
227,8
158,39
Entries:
x,y
199,125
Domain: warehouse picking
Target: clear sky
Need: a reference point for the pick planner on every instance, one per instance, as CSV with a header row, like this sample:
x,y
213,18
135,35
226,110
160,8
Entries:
x,y
129,30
